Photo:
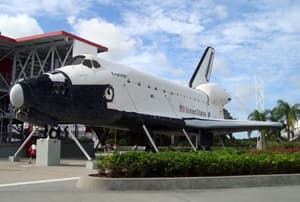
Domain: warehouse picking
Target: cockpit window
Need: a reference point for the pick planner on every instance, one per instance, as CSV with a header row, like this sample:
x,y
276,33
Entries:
x,y
75,60
80,59
96,64
87,63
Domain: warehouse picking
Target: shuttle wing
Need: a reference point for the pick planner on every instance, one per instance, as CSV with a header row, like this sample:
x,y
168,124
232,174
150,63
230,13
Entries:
x,y
221,126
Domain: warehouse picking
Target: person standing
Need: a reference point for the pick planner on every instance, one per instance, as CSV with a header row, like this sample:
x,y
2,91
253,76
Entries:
x,y
66,131
32,150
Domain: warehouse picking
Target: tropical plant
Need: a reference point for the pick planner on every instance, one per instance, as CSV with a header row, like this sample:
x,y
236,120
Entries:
x,y
183,164
260,116
289,114
274,133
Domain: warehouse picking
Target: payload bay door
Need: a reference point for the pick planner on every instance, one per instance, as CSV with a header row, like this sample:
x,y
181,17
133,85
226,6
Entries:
x,y
150,101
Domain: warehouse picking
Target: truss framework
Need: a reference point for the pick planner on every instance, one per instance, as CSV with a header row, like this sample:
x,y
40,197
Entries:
x,y
28,62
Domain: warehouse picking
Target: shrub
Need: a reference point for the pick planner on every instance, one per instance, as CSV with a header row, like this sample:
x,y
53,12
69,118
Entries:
x,y
284,147
180,164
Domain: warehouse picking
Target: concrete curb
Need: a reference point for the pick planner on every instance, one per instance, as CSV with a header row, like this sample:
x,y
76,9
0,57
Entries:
x,y
98,183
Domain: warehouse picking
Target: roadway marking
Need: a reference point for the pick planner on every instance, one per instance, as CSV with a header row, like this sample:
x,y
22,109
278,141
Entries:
x,y
25,166
38,182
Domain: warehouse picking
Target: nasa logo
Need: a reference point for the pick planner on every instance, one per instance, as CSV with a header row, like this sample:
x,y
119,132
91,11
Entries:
x,y
109,94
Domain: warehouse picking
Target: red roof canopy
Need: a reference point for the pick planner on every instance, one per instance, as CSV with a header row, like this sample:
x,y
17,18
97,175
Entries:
x,y
48,38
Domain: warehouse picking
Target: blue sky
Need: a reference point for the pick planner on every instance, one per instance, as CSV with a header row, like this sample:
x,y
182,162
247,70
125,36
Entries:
x,y
252,38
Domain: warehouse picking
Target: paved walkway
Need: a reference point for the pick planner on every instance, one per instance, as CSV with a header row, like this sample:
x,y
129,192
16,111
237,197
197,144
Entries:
x,y
11,172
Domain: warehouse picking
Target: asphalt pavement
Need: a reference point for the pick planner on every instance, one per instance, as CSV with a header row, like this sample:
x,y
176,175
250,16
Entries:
x,y
66,191
25,182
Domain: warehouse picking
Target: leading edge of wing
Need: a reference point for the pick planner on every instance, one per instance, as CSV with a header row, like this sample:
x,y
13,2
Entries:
x,y
230,125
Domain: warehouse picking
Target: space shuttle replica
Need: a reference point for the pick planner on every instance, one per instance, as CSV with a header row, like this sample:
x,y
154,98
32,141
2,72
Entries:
x,y
97,93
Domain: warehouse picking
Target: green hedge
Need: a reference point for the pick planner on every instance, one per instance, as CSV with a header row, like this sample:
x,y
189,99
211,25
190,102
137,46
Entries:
x,y
171,164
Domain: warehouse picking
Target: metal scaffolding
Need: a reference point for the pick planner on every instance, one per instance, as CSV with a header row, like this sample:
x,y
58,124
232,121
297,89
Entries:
x,y
34,62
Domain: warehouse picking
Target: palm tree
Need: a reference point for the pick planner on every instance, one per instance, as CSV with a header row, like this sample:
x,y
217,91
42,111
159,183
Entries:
x,y
274,132
260,116
289,114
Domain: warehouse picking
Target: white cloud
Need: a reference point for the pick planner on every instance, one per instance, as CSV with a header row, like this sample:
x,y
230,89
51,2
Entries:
x,y
152,62
105,2
19,26
243,98
220,68
237,33
71,20
123,47
221,11
42,7
281,19
159,22
178,72
153,20
189,41
108,34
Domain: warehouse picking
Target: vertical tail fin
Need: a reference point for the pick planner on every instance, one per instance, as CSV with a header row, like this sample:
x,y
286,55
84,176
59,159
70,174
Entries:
x,y
203,70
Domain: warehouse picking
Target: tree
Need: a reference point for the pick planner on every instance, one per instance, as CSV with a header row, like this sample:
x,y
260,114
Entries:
x,y
260,116
274,132
289,114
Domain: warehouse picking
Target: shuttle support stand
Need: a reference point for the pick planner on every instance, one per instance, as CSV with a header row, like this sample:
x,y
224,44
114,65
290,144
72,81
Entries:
x,y
48,151
90,164
15,156
79,145
155,147
189,139
150,138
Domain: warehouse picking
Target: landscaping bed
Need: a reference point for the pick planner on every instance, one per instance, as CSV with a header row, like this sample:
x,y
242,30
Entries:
x,y
192,164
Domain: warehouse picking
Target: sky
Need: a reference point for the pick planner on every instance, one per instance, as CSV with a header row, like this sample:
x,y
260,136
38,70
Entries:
x,y
253,39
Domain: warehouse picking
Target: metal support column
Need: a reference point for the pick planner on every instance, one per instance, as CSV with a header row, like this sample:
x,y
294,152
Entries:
x,y
172,140
14,69
150,138
1,129
10,108
189,139
25,142
197,142
52,59
95,139
79,145
222,142
32,63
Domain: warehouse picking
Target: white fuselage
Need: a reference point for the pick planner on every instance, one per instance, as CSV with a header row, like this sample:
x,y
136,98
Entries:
x,y
141,93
